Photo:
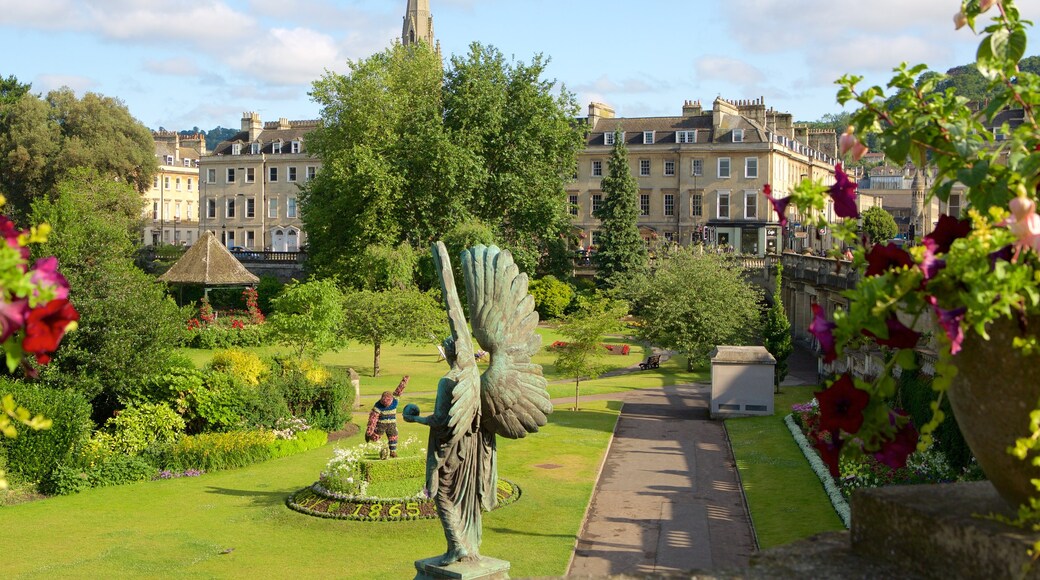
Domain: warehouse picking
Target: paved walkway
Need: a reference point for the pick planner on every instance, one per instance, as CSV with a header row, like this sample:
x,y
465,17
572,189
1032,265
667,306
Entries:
x,y
668,498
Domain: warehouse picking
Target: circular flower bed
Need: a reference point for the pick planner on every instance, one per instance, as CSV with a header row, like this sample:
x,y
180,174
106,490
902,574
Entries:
x,y
315,500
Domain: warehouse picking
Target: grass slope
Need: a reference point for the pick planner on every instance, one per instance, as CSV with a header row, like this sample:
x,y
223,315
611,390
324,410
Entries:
x,y
234,524
786,499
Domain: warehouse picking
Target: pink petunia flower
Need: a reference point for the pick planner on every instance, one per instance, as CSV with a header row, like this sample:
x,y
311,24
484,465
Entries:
x,y
823,330
842,405
45,275
12,317
779,205
843,192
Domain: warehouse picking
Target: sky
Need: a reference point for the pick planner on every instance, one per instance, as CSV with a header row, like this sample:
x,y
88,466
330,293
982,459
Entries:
x,y
202,63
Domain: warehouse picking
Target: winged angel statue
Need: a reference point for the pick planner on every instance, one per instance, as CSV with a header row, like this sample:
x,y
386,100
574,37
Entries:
x,y
471,409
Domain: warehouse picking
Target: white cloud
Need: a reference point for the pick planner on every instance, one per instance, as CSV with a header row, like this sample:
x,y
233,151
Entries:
x,y
731,70
287,57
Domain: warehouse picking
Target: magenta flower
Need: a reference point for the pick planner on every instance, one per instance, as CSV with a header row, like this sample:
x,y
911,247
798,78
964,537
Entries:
x,y
950,320
12,316
842,405
45,275
844,194
931,265
823,330
894,452
779,205
899,335
946,231
10,234
884,258
830,452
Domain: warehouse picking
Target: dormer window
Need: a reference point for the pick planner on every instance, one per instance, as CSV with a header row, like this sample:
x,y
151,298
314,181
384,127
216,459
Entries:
x,y
648,137
254,148
169,159
296,146
738,135
236,148
608,138
686,136
187,162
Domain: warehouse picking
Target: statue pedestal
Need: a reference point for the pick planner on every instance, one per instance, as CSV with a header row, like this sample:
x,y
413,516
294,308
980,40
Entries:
x,y
484,568
933,530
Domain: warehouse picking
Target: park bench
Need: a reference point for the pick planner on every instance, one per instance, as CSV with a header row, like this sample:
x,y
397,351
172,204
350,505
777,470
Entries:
x,y
652,362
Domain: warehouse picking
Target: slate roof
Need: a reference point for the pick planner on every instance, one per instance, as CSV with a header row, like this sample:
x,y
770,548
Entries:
x,y
267,137
208,263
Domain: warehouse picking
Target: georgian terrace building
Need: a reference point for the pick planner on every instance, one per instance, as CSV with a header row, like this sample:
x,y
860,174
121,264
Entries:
x,y
251,183
700,175
171,204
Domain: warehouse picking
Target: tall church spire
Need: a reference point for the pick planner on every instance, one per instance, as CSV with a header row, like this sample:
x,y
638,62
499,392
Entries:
x,y
418,24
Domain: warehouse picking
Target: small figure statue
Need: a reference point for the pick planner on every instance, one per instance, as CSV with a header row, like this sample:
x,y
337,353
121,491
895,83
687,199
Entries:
x,y
355,381
383,418
509,399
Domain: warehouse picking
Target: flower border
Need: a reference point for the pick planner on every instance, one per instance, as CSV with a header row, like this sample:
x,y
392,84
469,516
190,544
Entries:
x,y
822,472
312,499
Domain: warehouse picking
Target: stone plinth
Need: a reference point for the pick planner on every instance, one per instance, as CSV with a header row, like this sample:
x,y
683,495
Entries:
x,y
934,531
483,569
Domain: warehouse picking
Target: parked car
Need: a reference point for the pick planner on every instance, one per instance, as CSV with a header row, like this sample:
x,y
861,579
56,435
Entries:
x,y
244,253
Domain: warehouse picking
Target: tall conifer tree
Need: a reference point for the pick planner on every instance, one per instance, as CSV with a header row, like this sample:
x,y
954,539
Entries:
x,y
620,252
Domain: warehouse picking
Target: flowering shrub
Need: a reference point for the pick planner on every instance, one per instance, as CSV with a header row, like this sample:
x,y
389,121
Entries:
x,y
965,274
615,348
557,345
241,364
252,306
230,328
288,428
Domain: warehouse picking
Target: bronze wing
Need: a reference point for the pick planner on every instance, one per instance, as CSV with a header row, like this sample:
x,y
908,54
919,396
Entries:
x,y
513,396
465,396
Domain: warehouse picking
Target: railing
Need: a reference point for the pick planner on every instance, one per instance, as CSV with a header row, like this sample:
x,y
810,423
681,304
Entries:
x,y
281,257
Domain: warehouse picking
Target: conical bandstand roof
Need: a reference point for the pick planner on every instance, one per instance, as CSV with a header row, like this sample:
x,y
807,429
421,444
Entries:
x,y
209,263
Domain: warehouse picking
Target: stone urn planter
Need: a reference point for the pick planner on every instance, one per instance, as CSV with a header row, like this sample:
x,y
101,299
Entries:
x,y
992,395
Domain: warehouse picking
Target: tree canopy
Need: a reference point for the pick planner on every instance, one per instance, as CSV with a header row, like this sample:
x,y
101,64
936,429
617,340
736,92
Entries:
x,y
695,301
620,252
581,357
128,325
410,150
42,140
392,317
879,225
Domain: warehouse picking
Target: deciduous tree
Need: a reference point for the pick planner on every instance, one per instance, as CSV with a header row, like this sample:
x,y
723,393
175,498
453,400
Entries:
x,y
128,326
695,301
581,356
42,140
879,225
391,317
307,317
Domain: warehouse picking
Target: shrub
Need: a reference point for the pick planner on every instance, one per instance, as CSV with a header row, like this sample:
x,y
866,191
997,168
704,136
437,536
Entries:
x,y
916,396
216,451
327,404
207,400
223,334
264,406
243,365
115,469
350,471
551,296
35,454
140,426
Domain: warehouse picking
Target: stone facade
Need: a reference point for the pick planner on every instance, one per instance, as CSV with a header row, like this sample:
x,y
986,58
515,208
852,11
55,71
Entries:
x,y
171,208
700,175
249,195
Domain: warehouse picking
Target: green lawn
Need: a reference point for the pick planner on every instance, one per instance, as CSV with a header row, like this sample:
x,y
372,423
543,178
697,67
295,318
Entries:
x,y
423,365
234,524
786,498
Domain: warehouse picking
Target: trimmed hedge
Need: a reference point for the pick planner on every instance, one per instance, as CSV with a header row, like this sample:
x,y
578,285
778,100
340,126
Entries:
x,y
33,455
304,441
377,470
915,397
